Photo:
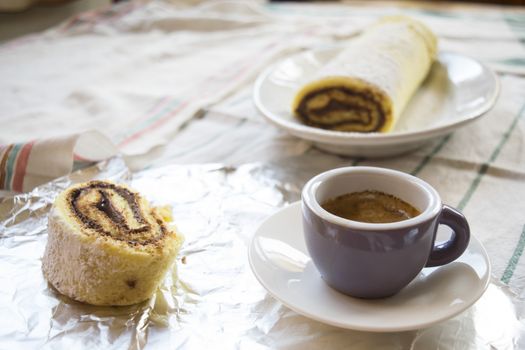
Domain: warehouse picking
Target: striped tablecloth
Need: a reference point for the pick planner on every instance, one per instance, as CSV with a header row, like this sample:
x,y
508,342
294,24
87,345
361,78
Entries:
x,y
167,82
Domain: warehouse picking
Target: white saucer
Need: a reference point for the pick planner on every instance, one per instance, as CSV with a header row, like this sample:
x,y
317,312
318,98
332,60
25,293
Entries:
x,y
280,261
457,91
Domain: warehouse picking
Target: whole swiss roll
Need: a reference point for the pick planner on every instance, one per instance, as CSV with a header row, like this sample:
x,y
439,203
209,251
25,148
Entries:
x,y
106,245
368,84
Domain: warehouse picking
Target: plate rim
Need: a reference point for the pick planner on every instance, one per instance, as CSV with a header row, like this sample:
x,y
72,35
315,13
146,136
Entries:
x,y
396,328
363,139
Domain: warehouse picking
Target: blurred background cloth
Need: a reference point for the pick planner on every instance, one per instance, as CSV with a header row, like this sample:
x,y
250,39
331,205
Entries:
x,y
137,72
21,5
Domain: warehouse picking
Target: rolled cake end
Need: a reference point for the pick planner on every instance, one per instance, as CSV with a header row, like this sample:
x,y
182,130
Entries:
x,y
106,245
344,104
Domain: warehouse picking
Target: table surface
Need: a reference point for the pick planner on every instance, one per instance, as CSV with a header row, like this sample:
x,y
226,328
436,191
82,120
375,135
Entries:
x,y
171,83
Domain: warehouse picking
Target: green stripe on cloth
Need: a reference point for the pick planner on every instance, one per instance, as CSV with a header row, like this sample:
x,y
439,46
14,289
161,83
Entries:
x,y
517,61
431,155
11,165
485,166
515,20
436,13
513,262
3,162
516,24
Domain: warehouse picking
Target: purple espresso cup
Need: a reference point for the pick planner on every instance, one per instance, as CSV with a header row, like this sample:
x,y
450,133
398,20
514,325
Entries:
x,y
369,260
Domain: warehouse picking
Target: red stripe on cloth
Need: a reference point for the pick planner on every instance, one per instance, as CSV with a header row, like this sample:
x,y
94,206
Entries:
x,y
108,13
79,158
21,166
245,64
152,112
164,119
155,125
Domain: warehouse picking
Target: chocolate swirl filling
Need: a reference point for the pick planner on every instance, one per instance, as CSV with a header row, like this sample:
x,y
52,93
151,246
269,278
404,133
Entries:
x,y
115,212
340,108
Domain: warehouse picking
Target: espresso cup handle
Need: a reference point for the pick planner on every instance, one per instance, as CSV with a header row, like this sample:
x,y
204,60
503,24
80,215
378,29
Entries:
x,y
452,249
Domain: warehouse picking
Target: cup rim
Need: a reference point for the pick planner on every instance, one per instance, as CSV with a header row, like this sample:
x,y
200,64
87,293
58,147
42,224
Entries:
x,y
308,198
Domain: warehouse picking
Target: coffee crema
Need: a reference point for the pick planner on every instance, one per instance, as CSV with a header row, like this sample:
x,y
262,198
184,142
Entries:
x,y
370,206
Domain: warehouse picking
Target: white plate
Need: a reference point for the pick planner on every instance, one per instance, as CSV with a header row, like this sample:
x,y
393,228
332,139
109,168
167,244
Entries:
x,y
457,91
280,261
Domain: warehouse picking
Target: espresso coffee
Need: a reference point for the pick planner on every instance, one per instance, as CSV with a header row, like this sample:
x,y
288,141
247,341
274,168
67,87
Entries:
x,y
371,207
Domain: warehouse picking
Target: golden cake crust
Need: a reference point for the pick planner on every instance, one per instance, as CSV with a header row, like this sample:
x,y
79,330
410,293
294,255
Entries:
x,y
106,245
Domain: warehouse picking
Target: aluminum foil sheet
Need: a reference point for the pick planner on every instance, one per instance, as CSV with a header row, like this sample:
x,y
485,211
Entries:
x,y
212,300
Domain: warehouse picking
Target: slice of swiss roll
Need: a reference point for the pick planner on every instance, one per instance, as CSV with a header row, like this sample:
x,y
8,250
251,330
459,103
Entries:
x,y
106,245
368,84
